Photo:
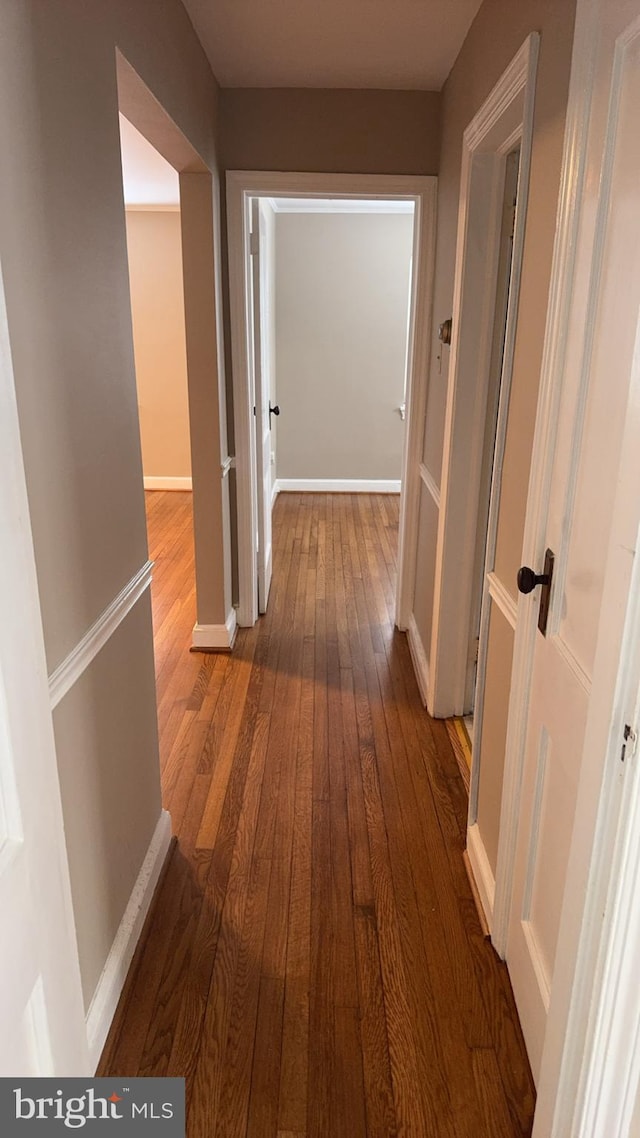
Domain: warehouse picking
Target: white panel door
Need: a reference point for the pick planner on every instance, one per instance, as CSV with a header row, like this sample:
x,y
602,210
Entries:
x,y
601,339
42,1029
262,319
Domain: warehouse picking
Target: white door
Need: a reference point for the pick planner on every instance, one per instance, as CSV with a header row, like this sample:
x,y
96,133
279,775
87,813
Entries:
x,y
262,252
42,1030
570,507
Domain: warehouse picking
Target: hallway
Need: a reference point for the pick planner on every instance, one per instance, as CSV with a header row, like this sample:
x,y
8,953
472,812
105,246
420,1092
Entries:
x,y
314,964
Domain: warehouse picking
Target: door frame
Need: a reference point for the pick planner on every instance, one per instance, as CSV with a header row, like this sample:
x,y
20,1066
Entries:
x,y
262,308
242,185
200,227
504,121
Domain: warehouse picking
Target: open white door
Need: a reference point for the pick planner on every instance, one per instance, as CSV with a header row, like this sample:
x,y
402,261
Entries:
x,y
41,1011
261,254
590,356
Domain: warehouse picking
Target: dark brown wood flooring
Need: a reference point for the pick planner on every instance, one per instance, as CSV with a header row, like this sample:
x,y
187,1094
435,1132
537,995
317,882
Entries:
x,y
313,962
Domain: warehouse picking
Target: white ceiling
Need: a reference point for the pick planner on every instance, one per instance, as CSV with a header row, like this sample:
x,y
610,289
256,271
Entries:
x,y
148,178
404,44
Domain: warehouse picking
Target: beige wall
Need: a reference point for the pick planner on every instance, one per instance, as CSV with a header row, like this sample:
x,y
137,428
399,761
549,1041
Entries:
x,y
342,294
494,38
64,261
154,249
341,131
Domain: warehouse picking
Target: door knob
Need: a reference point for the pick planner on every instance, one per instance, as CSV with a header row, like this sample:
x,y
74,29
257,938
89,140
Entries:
x,y
527,579
273,411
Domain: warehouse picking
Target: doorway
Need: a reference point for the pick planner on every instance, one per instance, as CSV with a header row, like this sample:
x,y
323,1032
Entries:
x,y
491,456
214,628
156,289
242,190
331,284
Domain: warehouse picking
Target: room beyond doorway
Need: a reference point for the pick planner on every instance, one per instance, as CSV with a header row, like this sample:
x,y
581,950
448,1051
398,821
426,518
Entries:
x,y
330,314
342,297
154,250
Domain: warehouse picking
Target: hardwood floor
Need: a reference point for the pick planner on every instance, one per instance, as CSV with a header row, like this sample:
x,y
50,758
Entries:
x,y
314,963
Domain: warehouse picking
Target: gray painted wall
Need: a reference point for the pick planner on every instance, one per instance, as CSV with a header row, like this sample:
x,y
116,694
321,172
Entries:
x,y
64,261
342,294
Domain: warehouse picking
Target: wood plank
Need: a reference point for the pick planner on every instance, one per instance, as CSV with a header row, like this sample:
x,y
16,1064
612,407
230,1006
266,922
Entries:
x,y
313,962
292,1110
210,1071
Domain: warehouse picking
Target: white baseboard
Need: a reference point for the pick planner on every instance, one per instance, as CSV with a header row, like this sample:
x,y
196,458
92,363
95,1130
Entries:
x,y
482,872
419,658
215,637
275,490
338,485
158,482
105,999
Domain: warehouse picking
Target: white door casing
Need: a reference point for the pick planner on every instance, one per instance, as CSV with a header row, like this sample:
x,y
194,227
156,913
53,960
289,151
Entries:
x,y
242,186
41,1008
484,561
262,302
504,121
587,373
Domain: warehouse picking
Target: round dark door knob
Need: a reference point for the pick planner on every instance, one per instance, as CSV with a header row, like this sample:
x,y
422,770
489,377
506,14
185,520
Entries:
x,y
527,579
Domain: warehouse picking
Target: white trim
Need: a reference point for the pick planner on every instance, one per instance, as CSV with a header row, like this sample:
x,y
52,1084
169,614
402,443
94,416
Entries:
x,y
418,657
418,355
430,483
241,187
509,85
571,662
338,205
105,998
170,482
486,141
482,872
374,187
339,485
502,598
69,671
275,490
215,637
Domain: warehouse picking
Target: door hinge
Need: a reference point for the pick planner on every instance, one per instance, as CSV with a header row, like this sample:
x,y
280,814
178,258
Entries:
x,y
630,742
254,243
